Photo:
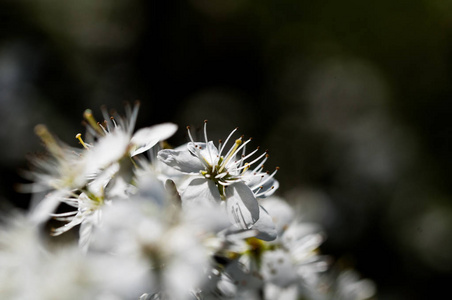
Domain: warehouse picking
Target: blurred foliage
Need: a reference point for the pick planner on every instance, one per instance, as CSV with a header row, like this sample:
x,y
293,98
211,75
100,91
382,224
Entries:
x,y
352,99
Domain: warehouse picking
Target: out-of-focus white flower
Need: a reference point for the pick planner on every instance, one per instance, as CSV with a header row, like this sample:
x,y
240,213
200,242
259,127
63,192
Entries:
x,y
349,286
112,145
88,214
61,172
280,211
114,138
289,265
20,246
29,269
64,168
275,292
294,265
102,171
154,231
216,176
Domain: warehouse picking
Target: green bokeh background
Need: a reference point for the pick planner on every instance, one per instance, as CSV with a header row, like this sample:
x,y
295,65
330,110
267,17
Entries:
x,y
352,99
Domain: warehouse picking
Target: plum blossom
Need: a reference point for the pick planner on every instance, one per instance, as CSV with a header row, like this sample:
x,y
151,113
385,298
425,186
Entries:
x,y
31,269
95,175
198,221
217,175
156,232
289,266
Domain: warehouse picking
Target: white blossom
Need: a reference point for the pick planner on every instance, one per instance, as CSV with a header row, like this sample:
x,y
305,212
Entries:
x,y
103,170
217,177
155,231
30,269
197,221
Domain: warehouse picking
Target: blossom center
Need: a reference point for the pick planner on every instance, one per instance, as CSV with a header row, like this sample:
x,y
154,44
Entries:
x,y
232,167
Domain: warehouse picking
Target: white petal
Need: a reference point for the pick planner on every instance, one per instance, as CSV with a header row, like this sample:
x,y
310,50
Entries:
x,y
281,212
210,154
86,229
181,160
200,191
78,219
110,149
276,292
278,268
265,226
241,205
47,206
146,138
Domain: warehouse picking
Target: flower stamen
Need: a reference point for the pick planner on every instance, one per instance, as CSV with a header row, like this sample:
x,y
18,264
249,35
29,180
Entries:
x,y
254,161
114,122
102,127
260,166
198,149
49,141
226,141
266,179
189,135
207,141
263,193
243,158
231,153
79,137
88,114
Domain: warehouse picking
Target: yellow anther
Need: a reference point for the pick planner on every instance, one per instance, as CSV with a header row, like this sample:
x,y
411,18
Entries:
x,y
42,132
92,121
247,166
47,138
237,144
79,137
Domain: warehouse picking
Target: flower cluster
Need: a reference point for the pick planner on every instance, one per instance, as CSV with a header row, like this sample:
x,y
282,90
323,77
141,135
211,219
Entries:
x,y
197,221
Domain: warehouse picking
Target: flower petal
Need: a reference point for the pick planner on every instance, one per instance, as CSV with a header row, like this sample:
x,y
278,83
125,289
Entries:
x,y
208,153
181,160
146,138
200,191
110,149
265,226
43,210
241,205
281,212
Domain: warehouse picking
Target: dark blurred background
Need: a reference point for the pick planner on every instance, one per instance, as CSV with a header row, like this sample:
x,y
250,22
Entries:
x,y
352,98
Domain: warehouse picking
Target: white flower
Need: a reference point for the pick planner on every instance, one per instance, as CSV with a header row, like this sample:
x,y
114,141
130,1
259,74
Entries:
x,y
64,168
104,169
88,214
292,261
217,176
289,265
113,140
295,257
349,286
155,232
281,212
30,269
61,171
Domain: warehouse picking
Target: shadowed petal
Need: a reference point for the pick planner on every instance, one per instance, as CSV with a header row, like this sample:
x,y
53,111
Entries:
x,y
200,191
241,205
265,226
209,154
181,160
